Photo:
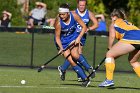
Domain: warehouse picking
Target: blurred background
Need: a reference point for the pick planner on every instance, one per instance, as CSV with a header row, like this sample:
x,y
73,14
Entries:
x,y
20,8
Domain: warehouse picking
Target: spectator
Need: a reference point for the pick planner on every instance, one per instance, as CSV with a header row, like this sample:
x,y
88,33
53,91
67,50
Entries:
x,y
5,19
101,22
49,23
37,15
25,6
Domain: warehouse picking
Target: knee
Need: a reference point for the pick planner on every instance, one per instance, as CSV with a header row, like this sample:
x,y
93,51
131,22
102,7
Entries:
x,y
75,56
108,54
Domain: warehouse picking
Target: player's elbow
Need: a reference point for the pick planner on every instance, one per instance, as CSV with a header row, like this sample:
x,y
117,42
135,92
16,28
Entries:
x,y
84,27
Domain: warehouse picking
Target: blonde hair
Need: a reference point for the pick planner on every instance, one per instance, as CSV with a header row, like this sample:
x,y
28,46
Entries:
x,y
120,13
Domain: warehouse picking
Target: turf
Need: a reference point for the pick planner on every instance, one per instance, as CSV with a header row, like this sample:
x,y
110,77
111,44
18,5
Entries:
x,y
16,50
48,81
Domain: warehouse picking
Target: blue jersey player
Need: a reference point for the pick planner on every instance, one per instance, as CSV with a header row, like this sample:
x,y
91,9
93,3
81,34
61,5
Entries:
x,y
65,34
86,16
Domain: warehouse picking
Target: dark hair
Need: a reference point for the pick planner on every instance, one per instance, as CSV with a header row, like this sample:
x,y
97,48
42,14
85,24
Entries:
x,y
120,13
81,0
64,5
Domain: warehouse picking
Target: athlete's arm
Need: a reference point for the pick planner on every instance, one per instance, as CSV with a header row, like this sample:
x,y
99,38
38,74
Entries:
x,y
111,35
101,16
82,24
57,33
94,21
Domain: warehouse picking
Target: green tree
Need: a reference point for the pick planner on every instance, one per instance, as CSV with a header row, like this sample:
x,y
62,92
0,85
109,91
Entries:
x,y
96,6
134,11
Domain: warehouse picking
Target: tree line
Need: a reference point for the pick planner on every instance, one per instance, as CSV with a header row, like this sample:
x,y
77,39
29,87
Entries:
x,y
97,6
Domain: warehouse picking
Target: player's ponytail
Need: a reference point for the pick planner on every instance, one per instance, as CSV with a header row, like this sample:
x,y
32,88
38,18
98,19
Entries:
x,y
119,13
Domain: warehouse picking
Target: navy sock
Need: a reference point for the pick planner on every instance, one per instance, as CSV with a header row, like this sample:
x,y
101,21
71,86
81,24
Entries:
x,y
65,65
78,76
83,62
80,72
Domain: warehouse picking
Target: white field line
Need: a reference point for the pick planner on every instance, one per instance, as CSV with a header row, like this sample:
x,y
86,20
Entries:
x,y
82,88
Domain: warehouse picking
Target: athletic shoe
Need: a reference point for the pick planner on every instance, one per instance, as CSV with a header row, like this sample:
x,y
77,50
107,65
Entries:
x,y
85,83
91,71
107,83
79,80
62,73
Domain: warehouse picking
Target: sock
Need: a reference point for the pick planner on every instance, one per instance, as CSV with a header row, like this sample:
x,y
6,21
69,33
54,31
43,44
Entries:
x,y
65,65
78,76
80,72
137,70
83,62
110,66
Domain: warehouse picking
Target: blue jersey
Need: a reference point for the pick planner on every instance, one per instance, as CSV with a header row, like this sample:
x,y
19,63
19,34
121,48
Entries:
x,y
68,31
86,19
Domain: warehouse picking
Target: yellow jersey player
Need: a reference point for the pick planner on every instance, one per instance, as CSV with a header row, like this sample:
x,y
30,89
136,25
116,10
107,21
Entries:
x,y
129,42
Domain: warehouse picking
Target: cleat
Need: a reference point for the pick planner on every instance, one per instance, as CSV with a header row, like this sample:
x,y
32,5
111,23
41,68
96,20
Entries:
x,y
107,83
79,80
85,83
91,71
62,73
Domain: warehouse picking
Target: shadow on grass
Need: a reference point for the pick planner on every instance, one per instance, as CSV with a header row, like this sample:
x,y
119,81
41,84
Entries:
x,y
130,88
72,84
92,80
77,85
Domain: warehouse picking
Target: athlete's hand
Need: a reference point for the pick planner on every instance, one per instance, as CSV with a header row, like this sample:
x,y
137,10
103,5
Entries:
x,y
61,50
77,41
88,29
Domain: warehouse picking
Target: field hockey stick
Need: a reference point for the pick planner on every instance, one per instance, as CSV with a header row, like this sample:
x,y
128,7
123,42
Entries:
x,y
44,65
96,68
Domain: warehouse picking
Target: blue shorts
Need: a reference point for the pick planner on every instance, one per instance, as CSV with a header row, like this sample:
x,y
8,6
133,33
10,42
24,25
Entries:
x,y
83,39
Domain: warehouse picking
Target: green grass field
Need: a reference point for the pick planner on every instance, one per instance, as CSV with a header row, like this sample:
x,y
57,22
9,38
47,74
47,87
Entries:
x,y
16,50
48,81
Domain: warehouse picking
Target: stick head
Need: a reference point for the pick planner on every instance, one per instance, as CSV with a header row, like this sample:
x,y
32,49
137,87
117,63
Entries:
x,y
41,68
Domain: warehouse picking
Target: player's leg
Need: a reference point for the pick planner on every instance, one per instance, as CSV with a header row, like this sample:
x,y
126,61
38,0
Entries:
x,y
62,69
79,79
75,55
117,50
82,60
133,59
